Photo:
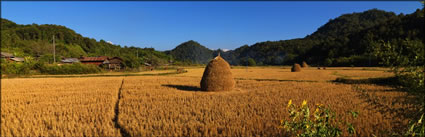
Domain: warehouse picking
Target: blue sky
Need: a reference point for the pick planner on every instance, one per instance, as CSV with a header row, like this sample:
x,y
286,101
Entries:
x,y
214,24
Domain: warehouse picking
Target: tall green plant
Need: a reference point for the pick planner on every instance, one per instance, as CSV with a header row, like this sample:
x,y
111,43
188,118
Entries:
x,y
321,123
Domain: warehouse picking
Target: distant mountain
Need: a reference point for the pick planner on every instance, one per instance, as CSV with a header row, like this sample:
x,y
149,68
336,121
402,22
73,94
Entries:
x,y
347,24
343,41
193,52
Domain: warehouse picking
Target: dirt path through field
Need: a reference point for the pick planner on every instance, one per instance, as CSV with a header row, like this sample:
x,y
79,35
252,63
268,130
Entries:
x,y
124,133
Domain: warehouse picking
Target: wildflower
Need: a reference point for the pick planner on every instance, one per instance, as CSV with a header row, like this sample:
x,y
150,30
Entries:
x,y
289,103
307,126
304,103
317,110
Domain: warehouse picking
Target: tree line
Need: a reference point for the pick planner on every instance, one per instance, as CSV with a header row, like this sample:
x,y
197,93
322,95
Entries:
x,y
36,41
347,40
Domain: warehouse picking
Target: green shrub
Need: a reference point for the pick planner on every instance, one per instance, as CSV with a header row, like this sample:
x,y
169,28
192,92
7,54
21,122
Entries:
x,y
416,128
17,68
251,62
406,60
76,68
323,123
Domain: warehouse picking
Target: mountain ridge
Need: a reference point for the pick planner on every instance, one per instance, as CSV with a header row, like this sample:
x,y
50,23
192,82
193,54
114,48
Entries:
x,y
343,41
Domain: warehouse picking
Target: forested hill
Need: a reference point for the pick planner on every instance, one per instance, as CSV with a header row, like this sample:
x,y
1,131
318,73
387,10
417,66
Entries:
x,y
36,40
347,24
343,41
192,51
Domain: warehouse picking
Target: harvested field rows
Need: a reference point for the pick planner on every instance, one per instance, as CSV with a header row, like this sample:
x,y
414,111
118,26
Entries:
x,y
59,106
173,105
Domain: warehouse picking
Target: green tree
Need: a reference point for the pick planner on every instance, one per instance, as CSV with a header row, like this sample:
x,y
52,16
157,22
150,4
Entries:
x,y
328,62
406,59
251,62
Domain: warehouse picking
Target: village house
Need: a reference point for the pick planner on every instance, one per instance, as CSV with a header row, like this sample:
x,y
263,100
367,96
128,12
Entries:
x,y
6,55
10,57
103,61
115,63
17,59
98,61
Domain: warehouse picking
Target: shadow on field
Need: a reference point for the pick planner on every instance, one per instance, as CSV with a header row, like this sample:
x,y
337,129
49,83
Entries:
x,y
183,87
387,81
279,80
376,102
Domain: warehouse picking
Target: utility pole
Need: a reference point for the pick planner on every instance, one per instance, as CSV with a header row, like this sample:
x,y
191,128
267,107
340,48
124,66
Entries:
x,y
54,50
137,53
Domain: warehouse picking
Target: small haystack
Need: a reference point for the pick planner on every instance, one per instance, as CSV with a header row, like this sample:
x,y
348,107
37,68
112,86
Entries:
x,y
296,68
217,76
304,64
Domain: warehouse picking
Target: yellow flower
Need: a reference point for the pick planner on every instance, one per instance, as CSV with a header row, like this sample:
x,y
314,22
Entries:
x,y
304,103
308,126
317,110
289,103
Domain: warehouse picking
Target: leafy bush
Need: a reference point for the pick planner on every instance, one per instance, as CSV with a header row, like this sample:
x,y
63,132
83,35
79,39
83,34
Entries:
x,y
251,62
76,68
323,123
406,59
17,68
416,128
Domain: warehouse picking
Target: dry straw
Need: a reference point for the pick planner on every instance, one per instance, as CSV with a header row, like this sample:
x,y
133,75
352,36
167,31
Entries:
x,y
304,64
296,68
217,76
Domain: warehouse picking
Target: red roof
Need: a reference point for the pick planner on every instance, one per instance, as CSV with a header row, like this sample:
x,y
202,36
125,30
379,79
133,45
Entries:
x,y
94,58
104,57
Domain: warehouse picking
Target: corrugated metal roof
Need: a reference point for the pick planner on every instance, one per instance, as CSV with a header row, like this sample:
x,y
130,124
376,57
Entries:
x,y
5,54
70,60
18,59
93,59
115,60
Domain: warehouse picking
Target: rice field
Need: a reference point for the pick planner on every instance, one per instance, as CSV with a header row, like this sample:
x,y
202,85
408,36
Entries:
x,y
174,105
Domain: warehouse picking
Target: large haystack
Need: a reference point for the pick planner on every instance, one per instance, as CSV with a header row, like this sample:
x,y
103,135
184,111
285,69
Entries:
x,y
217,76
304,64
296,68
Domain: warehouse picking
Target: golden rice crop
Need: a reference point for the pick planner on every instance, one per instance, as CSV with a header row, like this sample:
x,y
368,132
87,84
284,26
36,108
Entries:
x,y
174,105
59,106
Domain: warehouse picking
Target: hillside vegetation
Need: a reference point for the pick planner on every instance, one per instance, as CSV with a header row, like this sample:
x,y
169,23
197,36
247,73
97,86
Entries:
x,y
36,40
344,41
193,52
